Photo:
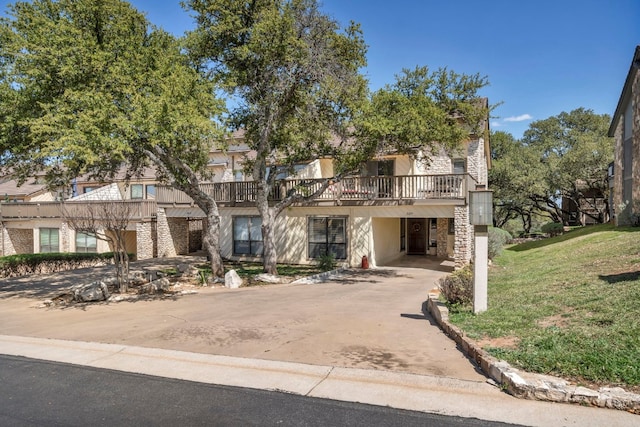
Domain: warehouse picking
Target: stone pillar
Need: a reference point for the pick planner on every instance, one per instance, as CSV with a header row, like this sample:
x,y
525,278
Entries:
x,y
144,240
442,234
166,247
463,236
65,238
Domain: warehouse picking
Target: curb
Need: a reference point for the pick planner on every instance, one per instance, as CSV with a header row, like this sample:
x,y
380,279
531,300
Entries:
x,y
527,385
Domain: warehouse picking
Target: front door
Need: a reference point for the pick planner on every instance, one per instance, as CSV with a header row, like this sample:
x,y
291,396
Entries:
x,y
417,231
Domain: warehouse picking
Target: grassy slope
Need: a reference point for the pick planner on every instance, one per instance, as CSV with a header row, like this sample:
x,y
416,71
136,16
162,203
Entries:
x,y
571,304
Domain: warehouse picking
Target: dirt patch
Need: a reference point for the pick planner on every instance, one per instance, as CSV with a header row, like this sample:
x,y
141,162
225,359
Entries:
x,y
508,342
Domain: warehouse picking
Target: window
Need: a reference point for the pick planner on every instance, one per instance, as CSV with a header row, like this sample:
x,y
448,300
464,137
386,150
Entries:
x,y
87,189
451,226
151,191
86,242
247,235
49,240
137,191
459,166
403,234
327,236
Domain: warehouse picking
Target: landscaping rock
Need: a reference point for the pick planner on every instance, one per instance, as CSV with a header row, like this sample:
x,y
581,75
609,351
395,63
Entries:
x,y
267,278
232,280
160,285
94,291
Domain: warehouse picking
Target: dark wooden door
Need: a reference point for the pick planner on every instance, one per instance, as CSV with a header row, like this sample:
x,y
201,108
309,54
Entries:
x,y
417,231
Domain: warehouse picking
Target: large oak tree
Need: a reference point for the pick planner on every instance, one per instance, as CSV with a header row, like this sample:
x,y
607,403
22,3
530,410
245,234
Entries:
x,y
89,87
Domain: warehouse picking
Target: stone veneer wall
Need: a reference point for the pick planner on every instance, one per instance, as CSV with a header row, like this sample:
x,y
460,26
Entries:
x,y
463,237
622,218
65,239
165,243
442,237
17,241
145,240
179,229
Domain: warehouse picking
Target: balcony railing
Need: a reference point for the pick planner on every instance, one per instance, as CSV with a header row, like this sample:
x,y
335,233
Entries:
x,y
380,188
133,209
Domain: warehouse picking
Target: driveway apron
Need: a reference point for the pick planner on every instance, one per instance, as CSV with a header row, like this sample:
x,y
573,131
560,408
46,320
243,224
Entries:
x,y
371,319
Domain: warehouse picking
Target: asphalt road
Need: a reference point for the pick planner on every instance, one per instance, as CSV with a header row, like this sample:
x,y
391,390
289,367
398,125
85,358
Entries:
x,y
34,393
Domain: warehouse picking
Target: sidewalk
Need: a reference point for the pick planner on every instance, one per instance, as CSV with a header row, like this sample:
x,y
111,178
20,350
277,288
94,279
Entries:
x,y
425,393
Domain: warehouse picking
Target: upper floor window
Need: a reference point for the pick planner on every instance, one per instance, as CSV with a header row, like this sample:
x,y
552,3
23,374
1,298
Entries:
x,y
49,240
380,167
137,191
628,120
459,166
151,191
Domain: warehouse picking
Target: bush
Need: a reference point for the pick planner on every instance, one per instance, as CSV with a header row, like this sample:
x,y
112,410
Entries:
x,y
552,228
24,264
457,288
497,239
327,262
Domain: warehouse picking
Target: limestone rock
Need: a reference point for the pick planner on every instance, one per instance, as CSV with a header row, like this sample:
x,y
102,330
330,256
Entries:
x,y
232,280
94,291
267,278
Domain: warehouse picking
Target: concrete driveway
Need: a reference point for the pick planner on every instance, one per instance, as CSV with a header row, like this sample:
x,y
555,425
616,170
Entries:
x,y
371,319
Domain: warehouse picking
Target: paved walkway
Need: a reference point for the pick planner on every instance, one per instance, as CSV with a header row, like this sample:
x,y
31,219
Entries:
x,y
361,337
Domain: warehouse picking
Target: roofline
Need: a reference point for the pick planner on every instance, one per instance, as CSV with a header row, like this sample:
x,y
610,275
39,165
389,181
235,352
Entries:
x,y
626,91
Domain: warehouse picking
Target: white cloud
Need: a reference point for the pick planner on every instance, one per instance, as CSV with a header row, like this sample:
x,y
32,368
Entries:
x,y
496,124
520,118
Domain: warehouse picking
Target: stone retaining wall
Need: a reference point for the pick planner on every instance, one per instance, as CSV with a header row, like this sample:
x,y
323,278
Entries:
x,y
527,385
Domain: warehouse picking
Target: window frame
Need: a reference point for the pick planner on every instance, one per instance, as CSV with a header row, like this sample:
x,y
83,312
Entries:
x,y
141,190
327,243
48,248
259,243
87,249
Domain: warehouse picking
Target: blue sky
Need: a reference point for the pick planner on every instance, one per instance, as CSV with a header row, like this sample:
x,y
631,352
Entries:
x,y
541,57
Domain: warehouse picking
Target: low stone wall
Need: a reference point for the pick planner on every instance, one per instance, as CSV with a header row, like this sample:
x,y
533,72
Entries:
x,y
527,385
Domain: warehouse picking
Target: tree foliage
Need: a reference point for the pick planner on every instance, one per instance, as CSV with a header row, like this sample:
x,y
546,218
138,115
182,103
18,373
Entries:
x,y
89,87
294,74
564,156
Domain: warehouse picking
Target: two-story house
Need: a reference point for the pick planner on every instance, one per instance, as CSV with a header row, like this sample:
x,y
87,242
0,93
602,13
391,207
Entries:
x,y
625,128
397,206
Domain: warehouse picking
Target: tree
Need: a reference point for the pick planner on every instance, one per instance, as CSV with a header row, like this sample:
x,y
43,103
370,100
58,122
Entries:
x,y
294,74
573,153
107,221
89,87
422,113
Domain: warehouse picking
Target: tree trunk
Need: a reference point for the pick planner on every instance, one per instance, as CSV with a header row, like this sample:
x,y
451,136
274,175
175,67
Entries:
x,y
269,253
212,243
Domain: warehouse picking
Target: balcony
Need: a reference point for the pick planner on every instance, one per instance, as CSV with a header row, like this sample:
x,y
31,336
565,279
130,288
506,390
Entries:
x,y
136,210
353,190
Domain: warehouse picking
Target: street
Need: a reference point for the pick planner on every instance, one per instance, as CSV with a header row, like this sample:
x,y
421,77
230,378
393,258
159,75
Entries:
x,y
35,392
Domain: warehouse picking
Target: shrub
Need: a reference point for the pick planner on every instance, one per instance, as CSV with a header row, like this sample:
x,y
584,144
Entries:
x,y
24,264
497,239
553,228
457,288
327,262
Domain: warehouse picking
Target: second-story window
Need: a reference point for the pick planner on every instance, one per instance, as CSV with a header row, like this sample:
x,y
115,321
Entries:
x,y
459,166
137,191
151,191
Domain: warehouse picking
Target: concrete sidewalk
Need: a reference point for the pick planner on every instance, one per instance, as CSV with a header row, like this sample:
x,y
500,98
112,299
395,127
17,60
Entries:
x,y
425,393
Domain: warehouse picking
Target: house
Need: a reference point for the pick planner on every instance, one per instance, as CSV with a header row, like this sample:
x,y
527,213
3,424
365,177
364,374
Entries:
x,y
625,128
397,206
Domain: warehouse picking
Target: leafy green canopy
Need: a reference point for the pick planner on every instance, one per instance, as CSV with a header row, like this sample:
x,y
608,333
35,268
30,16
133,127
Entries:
x,y
293,71
88,86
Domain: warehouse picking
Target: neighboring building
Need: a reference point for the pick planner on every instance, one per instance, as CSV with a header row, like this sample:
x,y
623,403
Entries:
x,y
592,208
625,128
398,206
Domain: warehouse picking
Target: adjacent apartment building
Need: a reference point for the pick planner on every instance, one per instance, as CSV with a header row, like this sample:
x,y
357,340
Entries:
x,y
625,128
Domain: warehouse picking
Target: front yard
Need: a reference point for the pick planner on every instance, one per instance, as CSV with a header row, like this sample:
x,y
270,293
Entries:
x,y
568,306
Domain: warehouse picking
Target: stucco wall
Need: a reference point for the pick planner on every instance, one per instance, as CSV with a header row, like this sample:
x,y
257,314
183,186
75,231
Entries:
x,y
386,240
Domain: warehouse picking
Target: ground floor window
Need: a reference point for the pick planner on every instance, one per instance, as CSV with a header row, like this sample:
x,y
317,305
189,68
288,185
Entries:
x,y
327,235
403,234
86,243
49,240
247,235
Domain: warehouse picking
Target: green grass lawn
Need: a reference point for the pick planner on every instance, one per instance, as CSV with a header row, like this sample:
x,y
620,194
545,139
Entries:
x,y
567,306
